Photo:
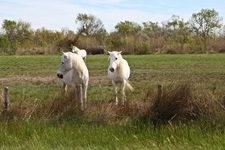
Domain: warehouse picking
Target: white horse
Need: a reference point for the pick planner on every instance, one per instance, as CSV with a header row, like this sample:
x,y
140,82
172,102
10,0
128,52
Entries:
x,y
80,52
119,71
73,71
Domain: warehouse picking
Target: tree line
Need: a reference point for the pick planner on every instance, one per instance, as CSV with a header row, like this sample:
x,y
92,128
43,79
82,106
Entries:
x,y
204,32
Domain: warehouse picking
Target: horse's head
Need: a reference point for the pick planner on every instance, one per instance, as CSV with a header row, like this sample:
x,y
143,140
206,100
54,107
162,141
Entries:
x,y
65,65
75,49
114,58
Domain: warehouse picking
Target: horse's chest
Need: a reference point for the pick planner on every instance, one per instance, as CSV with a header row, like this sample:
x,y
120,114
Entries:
x,y
115,76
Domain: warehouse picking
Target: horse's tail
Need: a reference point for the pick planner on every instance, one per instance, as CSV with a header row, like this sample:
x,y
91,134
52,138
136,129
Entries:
x,y
128,85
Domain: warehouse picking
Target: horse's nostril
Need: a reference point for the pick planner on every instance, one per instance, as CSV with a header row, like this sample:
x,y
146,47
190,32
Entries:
x,y
60,76
111,69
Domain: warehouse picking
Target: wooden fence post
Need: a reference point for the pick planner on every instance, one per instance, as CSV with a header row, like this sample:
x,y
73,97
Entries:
x,y
160,92
80,97
6,98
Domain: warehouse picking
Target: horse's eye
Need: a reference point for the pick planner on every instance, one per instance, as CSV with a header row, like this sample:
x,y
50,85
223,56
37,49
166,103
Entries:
x,y
115,58
62,62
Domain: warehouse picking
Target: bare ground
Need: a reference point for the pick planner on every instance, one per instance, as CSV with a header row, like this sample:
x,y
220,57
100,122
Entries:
x,y
30,79
50,79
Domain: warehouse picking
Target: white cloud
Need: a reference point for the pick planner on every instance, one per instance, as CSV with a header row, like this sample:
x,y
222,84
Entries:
x,y
107,1
60,14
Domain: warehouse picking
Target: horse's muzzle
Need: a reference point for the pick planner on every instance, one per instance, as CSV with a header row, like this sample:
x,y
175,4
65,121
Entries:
x,y
59,75
112,69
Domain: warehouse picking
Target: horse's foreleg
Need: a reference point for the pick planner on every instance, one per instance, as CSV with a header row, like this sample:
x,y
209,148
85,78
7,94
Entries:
x,y
115,92
84,89
123,93
64,88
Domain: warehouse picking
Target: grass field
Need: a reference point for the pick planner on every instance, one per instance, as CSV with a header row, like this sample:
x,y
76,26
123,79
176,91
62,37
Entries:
x,y
32,82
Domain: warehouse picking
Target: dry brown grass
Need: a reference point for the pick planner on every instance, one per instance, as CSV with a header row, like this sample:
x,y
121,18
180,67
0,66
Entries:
x,y
176,103
186,103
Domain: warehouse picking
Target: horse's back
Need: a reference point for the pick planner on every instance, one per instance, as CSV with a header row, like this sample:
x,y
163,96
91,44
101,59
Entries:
x,y
83,53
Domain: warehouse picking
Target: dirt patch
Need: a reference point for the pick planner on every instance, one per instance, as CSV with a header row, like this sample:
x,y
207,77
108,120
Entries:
x,y
30,79
95,80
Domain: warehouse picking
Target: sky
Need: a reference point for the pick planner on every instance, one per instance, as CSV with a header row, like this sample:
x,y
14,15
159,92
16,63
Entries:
x,y
57,14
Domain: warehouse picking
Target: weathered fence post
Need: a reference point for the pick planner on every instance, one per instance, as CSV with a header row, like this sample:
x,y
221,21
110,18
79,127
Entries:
x,y
80,97
6,98
160,92
156,107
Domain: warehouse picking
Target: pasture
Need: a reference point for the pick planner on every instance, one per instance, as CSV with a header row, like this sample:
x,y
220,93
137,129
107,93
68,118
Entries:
x,y
35,122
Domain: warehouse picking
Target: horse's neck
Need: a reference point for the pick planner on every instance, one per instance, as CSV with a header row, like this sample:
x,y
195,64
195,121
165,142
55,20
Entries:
x,y
67,72
78,50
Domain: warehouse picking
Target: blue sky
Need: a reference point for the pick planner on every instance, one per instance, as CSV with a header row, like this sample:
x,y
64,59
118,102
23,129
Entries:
x,y
58,14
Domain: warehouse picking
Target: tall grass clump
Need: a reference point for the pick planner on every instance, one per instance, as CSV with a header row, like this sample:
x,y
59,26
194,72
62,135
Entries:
x,y
184,103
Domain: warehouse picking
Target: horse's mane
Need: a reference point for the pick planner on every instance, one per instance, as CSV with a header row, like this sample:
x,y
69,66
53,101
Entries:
x,y
120,66
77,62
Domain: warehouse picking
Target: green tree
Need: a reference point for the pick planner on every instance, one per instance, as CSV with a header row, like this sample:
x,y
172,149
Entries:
x,y
178,31
116,41
128,28
130,32
89,25
9,28
204,23
44,37
19,34
24,33
152,29
4,43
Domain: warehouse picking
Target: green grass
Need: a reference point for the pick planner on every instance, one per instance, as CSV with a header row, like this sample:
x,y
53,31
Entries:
x,y
75,134
147,71
32,78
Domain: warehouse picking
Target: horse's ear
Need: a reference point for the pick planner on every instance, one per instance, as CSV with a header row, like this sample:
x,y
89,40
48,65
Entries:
x,y
109,54
119,52
65,56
